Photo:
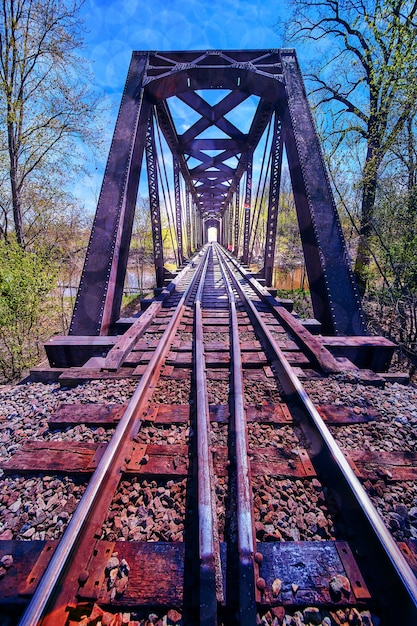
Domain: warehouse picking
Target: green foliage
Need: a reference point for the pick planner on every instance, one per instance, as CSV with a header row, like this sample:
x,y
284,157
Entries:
x,y
301,300
391,302
363,80
395,238
289,251
26,280
48,109
141,249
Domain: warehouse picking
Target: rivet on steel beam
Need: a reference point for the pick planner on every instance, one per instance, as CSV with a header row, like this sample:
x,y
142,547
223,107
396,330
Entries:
x,y
259,557
83,577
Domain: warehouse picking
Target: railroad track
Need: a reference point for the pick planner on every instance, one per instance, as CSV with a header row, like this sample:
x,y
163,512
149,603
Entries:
x,y
218,494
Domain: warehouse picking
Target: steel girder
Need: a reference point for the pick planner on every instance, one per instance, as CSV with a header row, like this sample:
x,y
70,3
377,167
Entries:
x,y
154,205
178,209
188,220
334,294
247,207
236,224
230,231
273,204
100,292
212,154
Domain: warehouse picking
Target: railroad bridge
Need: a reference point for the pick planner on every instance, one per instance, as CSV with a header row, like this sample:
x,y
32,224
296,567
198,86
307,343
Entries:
x,y
215,491
256,99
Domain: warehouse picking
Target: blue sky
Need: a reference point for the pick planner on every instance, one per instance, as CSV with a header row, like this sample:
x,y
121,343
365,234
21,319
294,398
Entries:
x,y
117,27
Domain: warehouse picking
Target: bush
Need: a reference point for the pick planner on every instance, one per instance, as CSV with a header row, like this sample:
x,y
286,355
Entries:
x,y
394,315
301,299
26,280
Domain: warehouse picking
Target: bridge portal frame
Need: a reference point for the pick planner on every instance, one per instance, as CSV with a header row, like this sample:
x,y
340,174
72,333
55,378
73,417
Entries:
x,y
272,75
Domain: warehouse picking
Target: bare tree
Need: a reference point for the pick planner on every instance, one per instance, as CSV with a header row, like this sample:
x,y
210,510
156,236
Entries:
x,y
363,76
46,103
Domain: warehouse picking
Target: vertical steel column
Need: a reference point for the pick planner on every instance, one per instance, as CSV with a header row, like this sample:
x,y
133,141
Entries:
x,y
188,220
178,211
247,207
154,204
198,228
193,216
236,224
200,231
273,205
230,227
225,228
195,226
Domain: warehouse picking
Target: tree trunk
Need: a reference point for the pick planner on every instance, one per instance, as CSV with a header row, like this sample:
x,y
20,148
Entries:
x,y
13,173
17,208
363,254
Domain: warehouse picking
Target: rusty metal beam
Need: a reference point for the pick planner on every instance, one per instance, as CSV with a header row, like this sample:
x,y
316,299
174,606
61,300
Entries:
x,y
334,294
230,225
167,127
236,224
158,249
273,204
100,292
247,207
188,219
178,209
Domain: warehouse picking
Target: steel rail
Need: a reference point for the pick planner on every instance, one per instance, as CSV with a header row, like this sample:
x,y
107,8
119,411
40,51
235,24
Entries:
x,y
246,535
308,343
210,584
114,358
54,572
309,416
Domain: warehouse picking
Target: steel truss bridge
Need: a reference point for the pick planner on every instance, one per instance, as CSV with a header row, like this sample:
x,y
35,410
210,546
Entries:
x,y
213,347
212,159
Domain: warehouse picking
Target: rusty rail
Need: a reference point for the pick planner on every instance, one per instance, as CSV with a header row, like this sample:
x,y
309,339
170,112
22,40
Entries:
x,y
129,422
210,588
246,534
124,344
368,536
331,459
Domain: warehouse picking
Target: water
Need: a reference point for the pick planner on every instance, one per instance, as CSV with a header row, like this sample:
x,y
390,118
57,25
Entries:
x,y
134,284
